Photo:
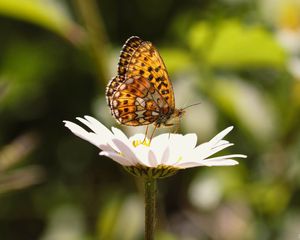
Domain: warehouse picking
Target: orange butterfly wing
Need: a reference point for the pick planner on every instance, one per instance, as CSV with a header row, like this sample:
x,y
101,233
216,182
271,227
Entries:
x,y
142,92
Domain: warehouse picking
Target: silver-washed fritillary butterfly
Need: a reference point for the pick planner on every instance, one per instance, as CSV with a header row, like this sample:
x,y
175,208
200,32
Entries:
x,y
142,92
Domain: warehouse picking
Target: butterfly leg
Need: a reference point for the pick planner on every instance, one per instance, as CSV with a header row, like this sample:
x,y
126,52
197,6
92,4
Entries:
x,y
153,132
176,128
146,133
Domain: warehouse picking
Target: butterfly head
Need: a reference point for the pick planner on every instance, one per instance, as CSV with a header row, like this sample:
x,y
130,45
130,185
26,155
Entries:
x,y
173,118
178,113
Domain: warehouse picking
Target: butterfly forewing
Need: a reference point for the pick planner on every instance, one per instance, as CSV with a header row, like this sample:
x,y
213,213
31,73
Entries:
x,y
142,91
140,58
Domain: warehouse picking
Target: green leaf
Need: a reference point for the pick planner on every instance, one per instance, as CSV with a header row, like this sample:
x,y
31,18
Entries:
x,y
231,44
49,14
175,59
236,45
199,36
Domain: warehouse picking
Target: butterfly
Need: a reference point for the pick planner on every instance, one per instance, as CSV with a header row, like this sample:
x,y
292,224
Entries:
x,y
142,93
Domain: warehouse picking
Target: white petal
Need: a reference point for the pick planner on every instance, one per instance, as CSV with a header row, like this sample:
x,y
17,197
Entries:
x,y
86,122
158,145
108,148
184,144
165,156
99,127
116,157
127,151
175,140
210,161
204,147
174,157
152,159
119,134
220,135
103,134
142,153
225,162
183,149
177,148
160,139
188,164
221,142
205,154
225,157
100,139
96,127
82,133
190,140
76,129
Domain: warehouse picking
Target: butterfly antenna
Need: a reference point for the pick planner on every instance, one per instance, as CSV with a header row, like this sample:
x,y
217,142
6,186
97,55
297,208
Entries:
x,y
187,101
194,104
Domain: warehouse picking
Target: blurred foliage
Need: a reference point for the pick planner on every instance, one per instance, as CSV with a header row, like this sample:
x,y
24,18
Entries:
x,y
11,155
240,59
48,14
247,46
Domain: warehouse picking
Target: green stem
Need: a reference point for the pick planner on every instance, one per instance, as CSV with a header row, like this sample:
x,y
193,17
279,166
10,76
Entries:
x,y
150,207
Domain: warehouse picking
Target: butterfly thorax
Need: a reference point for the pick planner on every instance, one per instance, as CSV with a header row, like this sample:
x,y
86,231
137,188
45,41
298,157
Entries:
x,y
169,119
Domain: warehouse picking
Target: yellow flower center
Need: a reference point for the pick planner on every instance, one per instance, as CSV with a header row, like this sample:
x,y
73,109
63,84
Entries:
x,y
145,142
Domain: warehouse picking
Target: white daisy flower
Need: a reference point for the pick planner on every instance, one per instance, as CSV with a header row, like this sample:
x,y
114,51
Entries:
x,y
163,156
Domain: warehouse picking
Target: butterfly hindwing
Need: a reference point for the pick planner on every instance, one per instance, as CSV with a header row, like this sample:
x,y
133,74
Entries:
x,y
132,103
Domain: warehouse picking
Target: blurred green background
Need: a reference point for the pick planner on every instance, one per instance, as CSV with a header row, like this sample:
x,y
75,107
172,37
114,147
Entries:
x,y
239,58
